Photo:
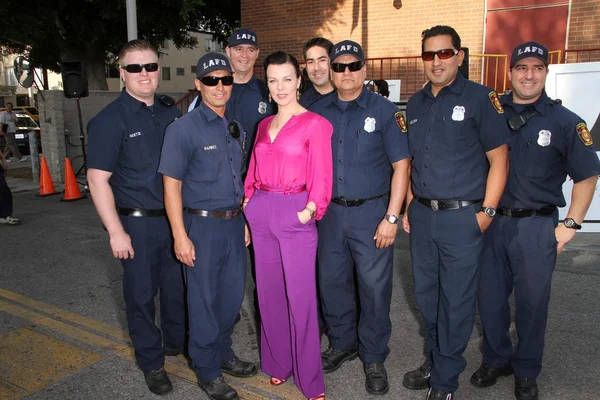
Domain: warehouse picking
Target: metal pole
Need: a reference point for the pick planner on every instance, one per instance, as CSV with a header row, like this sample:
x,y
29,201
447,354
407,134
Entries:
x,y
132,32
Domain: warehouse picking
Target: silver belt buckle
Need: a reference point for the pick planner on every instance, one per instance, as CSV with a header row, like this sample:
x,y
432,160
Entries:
x,y
434,205
137,213
228,214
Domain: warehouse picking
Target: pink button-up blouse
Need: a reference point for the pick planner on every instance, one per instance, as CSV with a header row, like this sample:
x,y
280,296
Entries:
x,y
300,155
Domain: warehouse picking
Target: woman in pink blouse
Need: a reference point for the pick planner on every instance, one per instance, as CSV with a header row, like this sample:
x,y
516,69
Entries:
x,y
288,187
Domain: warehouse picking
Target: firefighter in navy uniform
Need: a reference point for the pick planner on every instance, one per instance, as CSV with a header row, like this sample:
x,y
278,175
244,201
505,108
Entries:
x,y
125,141
356,235
249,102
548,142
457,137
201,162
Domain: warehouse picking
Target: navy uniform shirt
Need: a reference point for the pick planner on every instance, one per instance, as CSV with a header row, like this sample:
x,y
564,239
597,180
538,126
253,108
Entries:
x,y
448,136
248,105
366,141
310,96
199,151
551,145
125,138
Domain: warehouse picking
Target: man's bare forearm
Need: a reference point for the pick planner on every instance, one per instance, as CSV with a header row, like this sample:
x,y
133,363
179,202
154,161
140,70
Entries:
x,y
174,206
104,201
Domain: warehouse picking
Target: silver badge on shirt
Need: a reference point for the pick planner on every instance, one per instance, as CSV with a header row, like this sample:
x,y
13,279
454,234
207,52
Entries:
x,y
458,114
370,124
262,107
544,138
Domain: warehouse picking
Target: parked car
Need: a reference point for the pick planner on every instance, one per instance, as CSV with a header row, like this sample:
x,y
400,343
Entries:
x,y
28,110
25,124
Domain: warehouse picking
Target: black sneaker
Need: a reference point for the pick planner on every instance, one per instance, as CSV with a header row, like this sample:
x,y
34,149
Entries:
x,y
218,389
333,359
158,381
525,389
239,368
377,380
487,375
418,379
436,394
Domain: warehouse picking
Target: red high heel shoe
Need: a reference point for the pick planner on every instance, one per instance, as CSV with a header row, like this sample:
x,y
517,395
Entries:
x,y
319,397
276,381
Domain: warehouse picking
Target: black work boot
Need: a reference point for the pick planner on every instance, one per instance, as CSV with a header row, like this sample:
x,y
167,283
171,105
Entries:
x,y
158,381
418,379
436,394
218,389
377,380
239,368
487,375
333,359
525,389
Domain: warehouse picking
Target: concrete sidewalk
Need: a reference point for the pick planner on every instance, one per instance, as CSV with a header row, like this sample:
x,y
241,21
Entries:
x,y
63,331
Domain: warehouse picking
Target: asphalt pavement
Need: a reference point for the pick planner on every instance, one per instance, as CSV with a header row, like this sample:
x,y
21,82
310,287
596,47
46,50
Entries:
x,y
63,326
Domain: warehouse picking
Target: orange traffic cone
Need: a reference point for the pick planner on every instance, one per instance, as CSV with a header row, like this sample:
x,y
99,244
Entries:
x,y
46,184
72,191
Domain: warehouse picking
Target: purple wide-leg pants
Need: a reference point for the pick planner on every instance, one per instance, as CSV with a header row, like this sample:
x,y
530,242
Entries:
x,y
285,252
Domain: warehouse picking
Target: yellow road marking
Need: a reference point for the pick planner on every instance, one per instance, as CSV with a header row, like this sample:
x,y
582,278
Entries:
x,y
258,382
8,391
90,323
32,361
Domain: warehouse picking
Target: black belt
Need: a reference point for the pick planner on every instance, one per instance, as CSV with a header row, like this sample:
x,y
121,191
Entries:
x,y
220,214
521,213
354,203
446,204
138,212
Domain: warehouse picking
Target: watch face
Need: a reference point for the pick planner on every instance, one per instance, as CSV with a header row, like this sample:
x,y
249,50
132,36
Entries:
x,y
392,219
490,212
569,223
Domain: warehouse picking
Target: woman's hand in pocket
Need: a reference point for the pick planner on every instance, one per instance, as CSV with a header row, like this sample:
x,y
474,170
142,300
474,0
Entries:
x,y
304,216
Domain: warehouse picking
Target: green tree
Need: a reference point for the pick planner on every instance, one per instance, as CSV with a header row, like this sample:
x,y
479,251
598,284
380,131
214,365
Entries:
x,y
51,31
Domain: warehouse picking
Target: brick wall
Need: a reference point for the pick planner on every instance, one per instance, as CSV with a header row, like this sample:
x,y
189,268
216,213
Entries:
x,y
387,31
584,30
382,29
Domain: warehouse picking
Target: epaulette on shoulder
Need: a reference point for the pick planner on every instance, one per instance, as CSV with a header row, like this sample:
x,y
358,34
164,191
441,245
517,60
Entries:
x,y
165,100
555,102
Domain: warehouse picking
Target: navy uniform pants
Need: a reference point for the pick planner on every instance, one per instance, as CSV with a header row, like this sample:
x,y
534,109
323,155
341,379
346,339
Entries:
x,y
445,247
6,200
519,254
153,267
345,243
215,290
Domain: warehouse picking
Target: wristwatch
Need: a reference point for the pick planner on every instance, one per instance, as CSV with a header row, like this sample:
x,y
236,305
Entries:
x,y
489,211
570,223
392,219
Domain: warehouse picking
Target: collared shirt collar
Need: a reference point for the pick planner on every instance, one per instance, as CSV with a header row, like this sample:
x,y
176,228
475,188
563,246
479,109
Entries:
x,y
539,105
133,103
208,112
362,100
456,86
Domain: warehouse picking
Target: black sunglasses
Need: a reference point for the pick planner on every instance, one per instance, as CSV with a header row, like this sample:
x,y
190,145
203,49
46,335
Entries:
x,y
443,54
137,68
214,80
353,66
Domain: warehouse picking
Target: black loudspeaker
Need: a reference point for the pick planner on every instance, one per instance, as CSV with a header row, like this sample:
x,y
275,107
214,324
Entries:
x,y
464,68
74,79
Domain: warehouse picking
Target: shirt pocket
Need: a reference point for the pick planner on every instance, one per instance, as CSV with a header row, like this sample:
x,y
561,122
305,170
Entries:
x,y
537,159
368,145
205,167
138,152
